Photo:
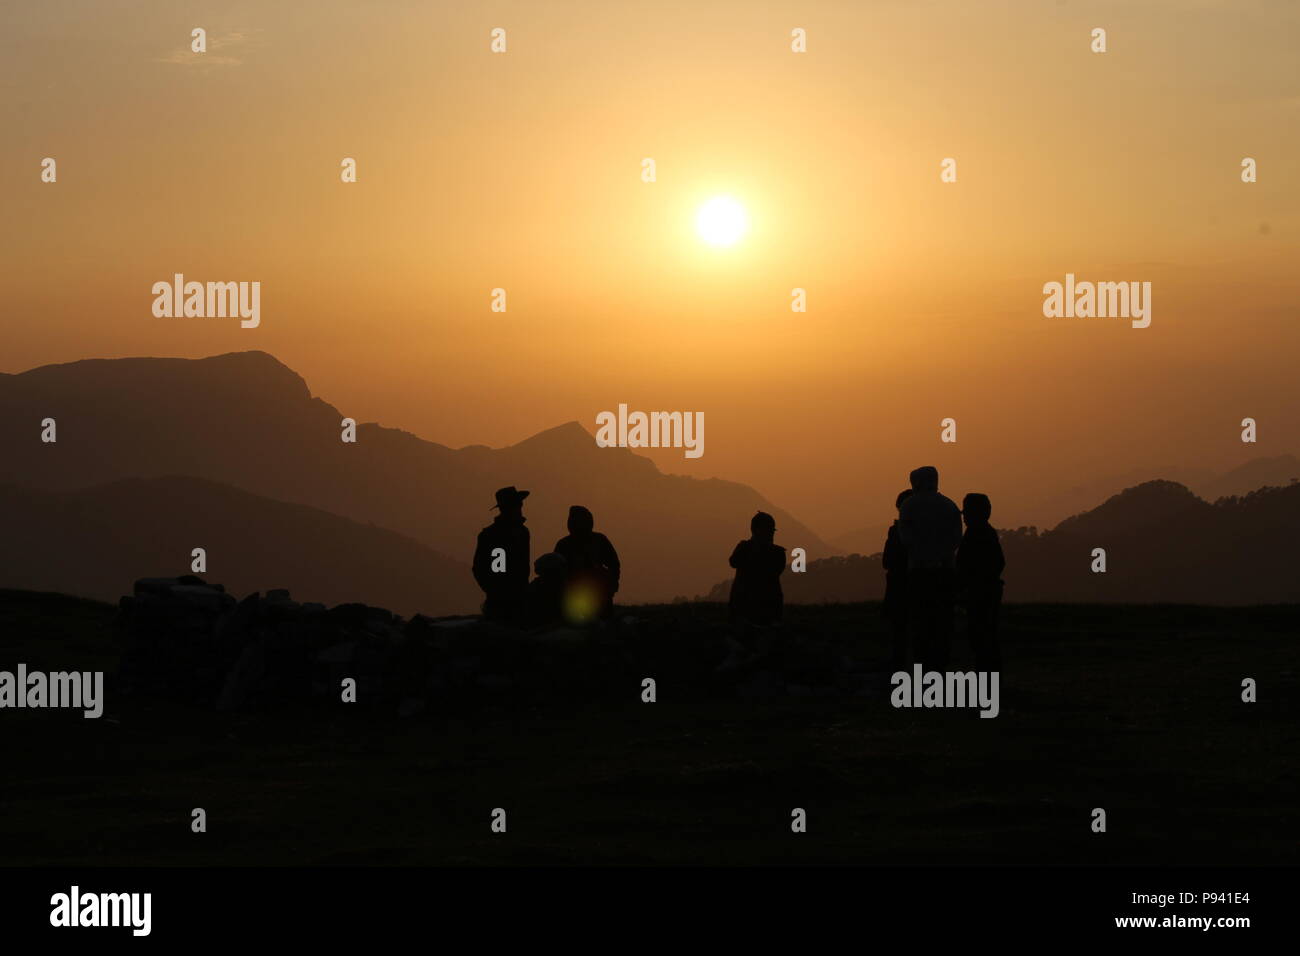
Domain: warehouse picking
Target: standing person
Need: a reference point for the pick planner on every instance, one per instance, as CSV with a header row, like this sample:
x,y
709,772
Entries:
x,y
593,567
929,525
504,576
756,596
894,559
979,580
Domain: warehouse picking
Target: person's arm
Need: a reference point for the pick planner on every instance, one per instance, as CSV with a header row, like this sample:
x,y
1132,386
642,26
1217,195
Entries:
x,y
482,563
778,559
518,543
892,554
999,560
737,556
611,561
906,532
954,529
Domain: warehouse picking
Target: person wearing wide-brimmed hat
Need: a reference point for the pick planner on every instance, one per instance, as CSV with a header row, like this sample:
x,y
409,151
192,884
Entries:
x,y
502,559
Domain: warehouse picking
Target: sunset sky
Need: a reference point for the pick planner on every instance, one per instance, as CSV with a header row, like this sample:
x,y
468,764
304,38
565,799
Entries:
x,y
523,171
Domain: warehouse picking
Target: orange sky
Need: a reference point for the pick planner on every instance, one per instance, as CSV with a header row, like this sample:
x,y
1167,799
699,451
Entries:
x,y
522,171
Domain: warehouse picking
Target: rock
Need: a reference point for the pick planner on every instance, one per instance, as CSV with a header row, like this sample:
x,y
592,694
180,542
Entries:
x,y
451,624
344,653
357,615
763,684
466,666
202,597
410,706
157,586
246,680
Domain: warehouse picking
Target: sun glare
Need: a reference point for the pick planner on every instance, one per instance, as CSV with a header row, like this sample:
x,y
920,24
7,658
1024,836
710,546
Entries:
x,y
721,221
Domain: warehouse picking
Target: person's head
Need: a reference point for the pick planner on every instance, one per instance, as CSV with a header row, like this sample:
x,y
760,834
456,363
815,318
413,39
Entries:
x,y
580,520
976,508
925,478
762,525
902,496
510,500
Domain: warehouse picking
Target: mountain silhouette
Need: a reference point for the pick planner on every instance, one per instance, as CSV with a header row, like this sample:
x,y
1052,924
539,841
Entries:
x,y
1163,543
864,540
94,542
1048,507
1276,471
247,420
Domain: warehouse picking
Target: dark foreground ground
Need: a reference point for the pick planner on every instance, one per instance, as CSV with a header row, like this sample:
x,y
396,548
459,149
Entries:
x,y
1134,709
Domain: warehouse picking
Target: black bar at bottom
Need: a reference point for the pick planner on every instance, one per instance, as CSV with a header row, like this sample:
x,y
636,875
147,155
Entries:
x,y
927,903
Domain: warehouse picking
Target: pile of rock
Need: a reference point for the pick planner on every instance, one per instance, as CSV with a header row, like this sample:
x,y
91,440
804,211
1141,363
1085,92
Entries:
x,y
171,648
185,639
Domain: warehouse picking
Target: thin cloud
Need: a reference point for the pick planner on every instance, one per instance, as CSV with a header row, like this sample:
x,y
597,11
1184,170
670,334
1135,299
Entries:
x,y
222,50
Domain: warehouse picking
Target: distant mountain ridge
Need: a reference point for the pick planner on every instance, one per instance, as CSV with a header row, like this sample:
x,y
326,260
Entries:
x,y
1051,507
1163,543
244,423
94,542
1276,471
247,420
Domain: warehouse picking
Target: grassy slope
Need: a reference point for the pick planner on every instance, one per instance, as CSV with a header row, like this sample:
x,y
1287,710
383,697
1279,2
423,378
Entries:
x,y
1135,709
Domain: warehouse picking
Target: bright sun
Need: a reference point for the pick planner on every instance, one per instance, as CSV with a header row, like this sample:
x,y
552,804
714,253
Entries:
x,y
721,221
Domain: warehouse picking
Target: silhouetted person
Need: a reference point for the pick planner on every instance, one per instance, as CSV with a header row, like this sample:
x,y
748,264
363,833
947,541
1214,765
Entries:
x,y
504,589
979,580
756,596
929,526
545,602
894,559
593,567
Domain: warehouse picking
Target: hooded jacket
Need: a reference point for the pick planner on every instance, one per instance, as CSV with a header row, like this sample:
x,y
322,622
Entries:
x,y
929,523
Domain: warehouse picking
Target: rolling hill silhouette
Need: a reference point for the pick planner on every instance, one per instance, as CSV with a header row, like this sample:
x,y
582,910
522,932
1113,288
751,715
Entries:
x,y
94,542
1048,506
247,420
1276,471
1162,543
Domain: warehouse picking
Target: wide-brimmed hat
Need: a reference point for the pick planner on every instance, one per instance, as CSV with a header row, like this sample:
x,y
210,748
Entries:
x,y
509,496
